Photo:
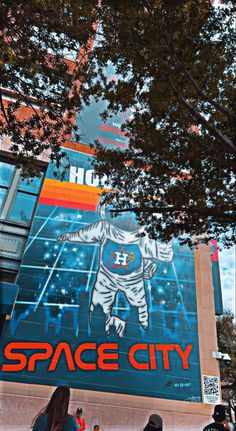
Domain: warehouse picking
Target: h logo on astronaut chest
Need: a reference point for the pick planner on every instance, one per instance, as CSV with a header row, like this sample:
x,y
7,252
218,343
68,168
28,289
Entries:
x,y
121,259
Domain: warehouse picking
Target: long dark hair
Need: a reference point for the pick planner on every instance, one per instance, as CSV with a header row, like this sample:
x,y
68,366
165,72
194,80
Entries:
x,y
57,409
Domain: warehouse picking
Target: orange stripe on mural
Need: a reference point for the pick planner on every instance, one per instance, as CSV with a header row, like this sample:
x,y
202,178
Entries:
x,y
79,195
68,204
81,148
70,195
72,186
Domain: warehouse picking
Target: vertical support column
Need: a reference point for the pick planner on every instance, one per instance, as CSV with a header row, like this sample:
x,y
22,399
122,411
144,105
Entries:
x,y
206,313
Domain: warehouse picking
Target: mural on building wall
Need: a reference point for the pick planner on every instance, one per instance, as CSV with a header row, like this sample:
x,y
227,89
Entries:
x,y
99,306
126,255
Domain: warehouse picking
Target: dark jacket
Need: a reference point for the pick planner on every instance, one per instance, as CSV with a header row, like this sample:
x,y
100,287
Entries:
x,y
42,421
150,428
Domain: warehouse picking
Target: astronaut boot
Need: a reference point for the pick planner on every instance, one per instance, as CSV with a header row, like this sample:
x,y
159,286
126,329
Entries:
x,y
117,322
144,325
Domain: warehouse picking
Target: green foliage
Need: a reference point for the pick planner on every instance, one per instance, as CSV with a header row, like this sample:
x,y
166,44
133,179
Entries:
x,y
226,335
175,68
35,36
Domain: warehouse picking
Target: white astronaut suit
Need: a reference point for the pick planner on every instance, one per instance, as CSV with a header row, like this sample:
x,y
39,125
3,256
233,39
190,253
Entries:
x,y
125,261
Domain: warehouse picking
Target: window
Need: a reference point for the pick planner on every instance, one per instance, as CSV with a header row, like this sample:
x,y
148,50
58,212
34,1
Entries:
x,y
6,172
18,196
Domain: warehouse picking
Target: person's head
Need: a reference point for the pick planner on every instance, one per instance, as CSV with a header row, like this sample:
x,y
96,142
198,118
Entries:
x,y
96,428
79,412
219,414
155,423
57,408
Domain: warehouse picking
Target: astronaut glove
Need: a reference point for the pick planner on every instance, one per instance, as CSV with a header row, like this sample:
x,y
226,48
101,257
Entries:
x,y
149,269
64,237
165,251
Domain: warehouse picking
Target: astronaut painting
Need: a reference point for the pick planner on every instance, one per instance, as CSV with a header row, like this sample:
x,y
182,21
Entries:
x,y
125,260
92,285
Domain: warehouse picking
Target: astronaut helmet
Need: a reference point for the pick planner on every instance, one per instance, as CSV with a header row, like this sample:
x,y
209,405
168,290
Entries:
x,y
126,220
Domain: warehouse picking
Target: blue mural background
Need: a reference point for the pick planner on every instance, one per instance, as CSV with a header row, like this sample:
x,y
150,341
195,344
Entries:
x,y
56,280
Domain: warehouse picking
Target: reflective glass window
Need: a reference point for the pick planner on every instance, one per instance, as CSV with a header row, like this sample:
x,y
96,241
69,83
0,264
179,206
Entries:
x,y
23,207
30,186
6,171
2,196
18,196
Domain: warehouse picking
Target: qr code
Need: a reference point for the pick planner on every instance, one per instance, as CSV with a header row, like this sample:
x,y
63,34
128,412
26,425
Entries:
x,y
211,389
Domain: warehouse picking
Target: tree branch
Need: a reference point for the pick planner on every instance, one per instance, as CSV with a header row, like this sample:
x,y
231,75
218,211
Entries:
x,y
221,212
216,133
3,110
205,96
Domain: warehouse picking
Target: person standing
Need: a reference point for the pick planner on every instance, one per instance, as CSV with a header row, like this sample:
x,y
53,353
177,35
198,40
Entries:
x,y
155,423
80,421
54,416
219,417
228,424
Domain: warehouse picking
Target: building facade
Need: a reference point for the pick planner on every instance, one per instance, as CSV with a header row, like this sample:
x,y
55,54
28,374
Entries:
x,y
127,322
122,367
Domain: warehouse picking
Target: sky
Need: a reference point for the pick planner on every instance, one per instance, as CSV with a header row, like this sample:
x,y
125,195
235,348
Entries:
x,y
227,268
227,273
